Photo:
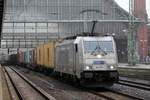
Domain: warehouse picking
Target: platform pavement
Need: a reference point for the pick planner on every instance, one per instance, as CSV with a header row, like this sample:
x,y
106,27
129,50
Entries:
x,y
4,92
137,66
1,95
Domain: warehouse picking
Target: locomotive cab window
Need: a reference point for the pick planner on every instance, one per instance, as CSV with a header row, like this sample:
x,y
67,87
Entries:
x,y
104,46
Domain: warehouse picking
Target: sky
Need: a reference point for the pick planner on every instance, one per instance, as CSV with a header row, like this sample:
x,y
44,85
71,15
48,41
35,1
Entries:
x,y
125,4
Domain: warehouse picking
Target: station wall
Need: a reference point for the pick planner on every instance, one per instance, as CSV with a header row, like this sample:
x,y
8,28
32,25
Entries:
x,y
140,12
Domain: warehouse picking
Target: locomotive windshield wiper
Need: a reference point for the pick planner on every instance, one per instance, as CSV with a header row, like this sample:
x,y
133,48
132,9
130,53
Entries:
x,y
98,50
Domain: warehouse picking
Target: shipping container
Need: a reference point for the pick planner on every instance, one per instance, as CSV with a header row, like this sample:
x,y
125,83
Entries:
x,y
13,59
35,56
1,58
40,55
31,56
24,56
19,57
49,55
4,59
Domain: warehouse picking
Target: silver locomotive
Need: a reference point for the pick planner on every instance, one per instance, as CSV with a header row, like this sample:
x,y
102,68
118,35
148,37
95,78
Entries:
x,y
91,60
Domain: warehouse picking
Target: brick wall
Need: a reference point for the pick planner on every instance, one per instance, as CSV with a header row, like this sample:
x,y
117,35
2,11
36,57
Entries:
x,y
140,12
149,36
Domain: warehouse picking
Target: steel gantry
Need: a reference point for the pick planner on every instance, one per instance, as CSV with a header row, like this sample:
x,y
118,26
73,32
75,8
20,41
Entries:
x,y
1,17
132,35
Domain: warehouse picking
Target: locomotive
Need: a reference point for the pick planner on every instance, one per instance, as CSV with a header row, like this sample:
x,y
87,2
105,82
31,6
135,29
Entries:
x,y
92,60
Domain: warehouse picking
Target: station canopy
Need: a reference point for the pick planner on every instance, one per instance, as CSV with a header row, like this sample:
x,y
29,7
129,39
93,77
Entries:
x,y
28,23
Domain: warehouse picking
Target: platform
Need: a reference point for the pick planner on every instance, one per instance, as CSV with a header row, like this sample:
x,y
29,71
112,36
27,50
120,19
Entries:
x,y
137,66
4,93
139,70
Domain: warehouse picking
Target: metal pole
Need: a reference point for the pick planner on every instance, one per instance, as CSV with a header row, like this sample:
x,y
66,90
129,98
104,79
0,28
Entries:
x,y
131,35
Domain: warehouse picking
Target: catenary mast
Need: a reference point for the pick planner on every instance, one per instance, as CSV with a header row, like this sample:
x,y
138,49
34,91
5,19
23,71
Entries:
x,y
132,35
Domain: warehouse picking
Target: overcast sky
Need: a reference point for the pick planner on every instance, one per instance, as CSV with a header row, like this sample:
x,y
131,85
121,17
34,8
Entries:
x,y
125,5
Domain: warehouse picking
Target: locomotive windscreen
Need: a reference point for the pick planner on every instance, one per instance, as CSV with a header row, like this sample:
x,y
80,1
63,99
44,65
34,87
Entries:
x,y
90,46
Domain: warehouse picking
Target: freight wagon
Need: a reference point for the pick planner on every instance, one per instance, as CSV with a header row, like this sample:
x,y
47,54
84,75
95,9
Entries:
x,y
19,56
41,57
4,59
31,56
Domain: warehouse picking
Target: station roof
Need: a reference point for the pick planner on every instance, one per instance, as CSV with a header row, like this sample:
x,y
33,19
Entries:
x,y
35,22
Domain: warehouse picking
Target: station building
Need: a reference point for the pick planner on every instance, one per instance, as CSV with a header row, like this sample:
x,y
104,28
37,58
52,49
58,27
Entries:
x,y
148,25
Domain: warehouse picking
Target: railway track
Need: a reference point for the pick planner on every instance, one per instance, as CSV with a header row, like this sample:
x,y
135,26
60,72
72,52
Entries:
x,y
135,84
114,95
24,88
102,95
107,94
92,92
117,94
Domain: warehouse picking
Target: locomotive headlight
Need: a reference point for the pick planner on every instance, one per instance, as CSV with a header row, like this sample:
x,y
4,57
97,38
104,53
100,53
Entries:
x,y
99,56
87,67
112,67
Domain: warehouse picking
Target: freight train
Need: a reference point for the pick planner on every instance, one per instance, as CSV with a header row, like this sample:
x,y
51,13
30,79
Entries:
x,y
90,61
